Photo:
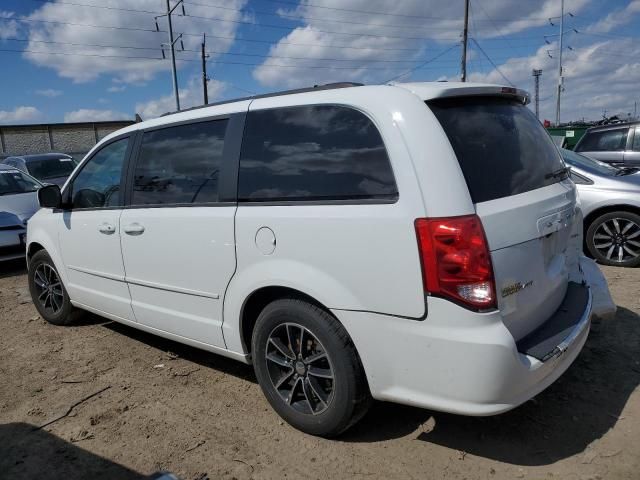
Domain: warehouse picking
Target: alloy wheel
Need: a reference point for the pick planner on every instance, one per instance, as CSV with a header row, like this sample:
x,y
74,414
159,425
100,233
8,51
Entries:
x,y
49,291
300,368
618,240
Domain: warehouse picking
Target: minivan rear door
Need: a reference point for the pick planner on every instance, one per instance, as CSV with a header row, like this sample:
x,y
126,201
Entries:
x,y
518,183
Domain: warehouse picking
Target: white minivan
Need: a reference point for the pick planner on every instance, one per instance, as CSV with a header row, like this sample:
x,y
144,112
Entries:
x,y
414,243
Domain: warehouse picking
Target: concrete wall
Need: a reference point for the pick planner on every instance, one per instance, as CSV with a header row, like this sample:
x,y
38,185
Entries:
x,y
72,138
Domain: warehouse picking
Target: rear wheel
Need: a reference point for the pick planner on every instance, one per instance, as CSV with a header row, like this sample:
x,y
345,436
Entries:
x,y
614,239
308,368
47,291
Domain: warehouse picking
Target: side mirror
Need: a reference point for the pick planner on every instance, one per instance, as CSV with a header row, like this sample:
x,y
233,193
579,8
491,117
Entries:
x,y
49,196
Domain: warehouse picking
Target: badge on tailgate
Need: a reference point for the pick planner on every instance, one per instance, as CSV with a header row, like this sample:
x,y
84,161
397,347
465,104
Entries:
x,y
556,221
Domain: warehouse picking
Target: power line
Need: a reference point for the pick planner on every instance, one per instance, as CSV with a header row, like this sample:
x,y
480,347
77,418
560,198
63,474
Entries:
x,y
209,52
370,12
491,61
422,64
223,62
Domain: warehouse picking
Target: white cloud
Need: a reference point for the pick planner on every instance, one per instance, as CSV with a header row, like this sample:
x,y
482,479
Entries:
x,y
380,46
20,115
9,27
116,88
99,60
94,115
49,92
597,77
190,96
616,18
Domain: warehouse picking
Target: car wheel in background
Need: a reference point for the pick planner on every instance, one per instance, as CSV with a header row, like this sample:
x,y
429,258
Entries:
x,y
614,239
308,368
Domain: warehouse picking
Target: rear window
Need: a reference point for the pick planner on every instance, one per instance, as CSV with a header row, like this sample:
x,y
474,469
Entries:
x,y
502,148
308,153
51,168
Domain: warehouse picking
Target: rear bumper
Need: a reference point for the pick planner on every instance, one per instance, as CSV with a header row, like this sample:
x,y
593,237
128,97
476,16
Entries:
x,y
458,361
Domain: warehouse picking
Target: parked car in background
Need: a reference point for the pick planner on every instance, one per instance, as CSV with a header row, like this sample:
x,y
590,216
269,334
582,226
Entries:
x,y
416,243
617,144
46,167
18,202
610,202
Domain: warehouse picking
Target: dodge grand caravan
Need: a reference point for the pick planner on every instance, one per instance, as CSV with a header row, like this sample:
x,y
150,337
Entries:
x,y
415,243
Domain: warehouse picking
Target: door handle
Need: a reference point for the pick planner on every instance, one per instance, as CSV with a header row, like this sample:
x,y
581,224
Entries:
x,y
106,228
134,229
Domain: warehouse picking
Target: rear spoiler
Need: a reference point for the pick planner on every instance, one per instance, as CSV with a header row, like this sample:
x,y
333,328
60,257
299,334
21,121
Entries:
x,y
521,95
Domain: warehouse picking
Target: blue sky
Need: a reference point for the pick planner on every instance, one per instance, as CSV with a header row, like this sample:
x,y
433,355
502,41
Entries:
x,y
60,64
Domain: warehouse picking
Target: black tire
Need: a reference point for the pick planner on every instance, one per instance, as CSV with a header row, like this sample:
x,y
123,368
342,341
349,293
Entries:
x,y
348,398
611,232
53,304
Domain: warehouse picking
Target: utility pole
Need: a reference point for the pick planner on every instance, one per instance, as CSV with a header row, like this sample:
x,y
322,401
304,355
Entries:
x,y
172,45
465,36
536,76
205,79
560,63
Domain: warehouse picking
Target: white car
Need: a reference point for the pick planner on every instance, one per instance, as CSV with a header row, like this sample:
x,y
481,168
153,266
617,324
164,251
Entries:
x,y
415,243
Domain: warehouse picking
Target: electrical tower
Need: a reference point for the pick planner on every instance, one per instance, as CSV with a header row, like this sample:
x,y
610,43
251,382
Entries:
x,y
536,77
171,45
465,37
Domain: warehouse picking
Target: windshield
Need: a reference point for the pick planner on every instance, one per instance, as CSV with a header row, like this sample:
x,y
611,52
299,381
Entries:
x,y
501,146
588,164
14,181
51,167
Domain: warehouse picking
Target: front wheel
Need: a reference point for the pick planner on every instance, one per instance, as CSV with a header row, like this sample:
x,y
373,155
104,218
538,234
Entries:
x,y
614,239
308,368
47,291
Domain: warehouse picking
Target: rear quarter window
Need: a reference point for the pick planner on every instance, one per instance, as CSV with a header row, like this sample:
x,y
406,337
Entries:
x,y
502,148
614,140
311,153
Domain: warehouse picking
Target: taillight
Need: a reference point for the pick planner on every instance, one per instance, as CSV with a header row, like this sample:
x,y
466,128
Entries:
x,y
455,260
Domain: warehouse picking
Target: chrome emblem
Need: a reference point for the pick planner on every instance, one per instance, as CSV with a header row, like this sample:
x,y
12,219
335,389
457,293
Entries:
x,y
515,288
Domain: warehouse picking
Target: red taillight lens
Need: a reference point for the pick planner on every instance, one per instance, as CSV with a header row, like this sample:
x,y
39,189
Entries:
x,y
455,260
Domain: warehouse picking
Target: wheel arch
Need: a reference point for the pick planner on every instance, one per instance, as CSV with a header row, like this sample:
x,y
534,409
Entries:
x,y
260,298
591,216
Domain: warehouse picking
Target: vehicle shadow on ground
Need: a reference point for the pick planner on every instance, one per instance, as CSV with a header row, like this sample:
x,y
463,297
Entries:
x,y
13,268
186,352
581,407
26,453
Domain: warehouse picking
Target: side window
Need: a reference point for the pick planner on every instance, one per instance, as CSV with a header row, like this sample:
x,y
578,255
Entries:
x,y
313,153
180,165
606,141
636,140
98,183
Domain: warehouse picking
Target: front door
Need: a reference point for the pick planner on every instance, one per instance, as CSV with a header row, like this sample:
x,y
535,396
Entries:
x,y
89,233
177,237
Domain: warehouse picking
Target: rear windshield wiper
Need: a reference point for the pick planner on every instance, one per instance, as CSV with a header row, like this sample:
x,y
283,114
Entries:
x,y
626,171
560,173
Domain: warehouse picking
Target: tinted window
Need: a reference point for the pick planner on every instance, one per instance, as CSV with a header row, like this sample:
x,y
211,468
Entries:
x,y
180,164
313,153
14,181
502,148
98,183
605,141
51,168
636,140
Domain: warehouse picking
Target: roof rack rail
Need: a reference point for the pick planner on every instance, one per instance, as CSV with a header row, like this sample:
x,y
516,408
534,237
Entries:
x,y
328,86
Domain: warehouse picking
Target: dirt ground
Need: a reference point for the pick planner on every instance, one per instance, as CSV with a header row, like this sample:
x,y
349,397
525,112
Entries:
x,y
163,406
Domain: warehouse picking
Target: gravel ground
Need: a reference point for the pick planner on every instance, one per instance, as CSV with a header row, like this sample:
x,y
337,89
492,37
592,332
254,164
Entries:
x,y
118,403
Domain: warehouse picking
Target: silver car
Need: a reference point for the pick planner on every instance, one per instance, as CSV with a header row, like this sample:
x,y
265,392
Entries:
x,y
18,202
610,199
